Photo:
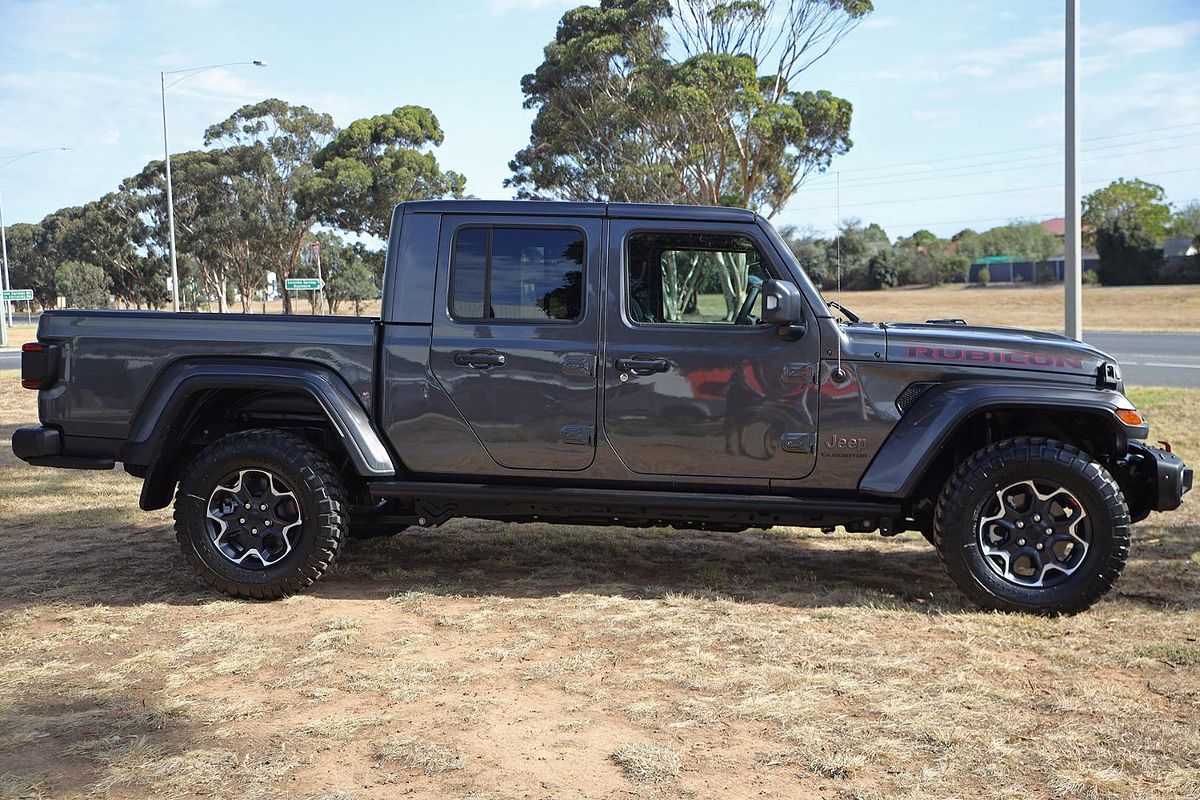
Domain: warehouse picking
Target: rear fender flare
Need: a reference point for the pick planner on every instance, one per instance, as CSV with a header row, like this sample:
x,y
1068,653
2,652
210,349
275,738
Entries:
x,y
162,415
920,435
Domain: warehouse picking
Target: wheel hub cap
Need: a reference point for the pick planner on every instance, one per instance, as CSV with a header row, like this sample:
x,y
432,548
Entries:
x,y
1034,533
252,518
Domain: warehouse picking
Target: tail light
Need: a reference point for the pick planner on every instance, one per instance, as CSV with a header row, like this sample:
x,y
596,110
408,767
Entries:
x,y
39,365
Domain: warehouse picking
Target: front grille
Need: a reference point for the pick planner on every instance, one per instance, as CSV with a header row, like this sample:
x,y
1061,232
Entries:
x,y
910,395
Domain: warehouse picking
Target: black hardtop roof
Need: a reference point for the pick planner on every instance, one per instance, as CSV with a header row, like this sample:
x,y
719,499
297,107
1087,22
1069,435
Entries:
x,y
562,208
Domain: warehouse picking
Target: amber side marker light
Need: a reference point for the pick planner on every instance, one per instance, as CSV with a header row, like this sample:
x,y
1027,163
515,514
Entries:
x,y
32,347
1131,416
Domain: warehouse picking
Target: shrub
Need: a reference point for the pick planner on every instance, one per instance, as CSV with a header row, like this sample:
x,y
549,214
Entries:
x,y
984,276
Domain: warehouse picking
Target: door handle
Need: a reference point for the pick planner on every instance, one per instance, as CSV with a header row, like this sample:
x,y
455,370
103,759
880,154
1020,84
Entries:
x,y
643,365
479,360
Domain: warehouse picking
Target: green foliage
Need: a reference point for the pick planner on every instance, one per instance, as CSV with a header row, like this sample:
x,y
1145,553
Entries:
x,y
1129,254
809,251
83,285
375,163
713,118
882,270
1138,203
1185,222
984,276
267,161
1090,277
1022,241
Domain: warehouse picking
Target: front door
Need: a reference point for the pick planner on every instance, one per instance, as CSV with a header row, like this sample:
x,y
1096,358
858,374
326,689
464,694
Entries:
x,y
694,385
515,336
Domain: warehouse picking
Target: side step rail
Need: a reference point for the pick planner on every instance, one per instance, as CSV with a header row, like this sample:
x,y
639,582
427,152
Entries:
x,y
437,502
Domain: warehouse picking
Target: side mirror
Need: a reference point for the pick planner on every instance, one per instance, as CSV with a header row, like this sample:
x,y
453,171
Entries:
x,y
783,305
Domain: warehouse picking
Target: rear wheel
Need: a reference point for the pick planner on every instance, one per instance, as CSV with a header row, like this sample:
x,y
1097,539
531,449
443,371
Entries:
x,y
1032,525
260,514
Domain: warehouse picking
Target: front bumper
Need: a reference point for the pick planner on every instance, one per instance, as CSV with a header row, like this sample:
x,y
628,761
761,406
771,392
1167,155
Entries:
x,y
43,447
1157,479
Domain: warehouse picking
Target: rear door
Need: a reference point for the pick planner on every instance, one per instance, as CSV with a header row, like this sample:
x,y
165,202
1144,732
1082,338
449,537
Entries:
x,y
516,335
693,384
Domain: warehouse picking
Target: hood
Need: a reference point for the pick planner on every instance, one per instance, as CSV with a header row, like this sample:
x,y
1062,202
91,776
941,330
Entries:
x,y
991,348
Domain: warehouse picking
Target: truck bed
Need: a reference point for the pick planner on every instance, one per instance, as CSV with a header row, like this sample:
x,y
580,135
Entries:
x,y
110,359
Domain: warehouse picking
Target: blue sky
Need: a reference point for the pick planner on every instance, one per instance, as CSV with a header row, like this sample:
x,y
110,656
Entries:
x,y
966,96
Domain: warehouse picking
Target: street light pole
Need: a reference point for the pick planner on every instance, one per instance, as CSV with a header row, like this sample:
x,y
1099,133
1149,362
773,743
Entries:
x,y
1072,239
6,314
162,80
163,85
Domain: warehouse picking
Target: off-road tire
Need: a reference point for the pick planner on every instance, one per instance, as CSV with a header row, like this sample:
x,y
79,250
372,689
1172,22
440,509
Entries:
x,y
960,508
319,493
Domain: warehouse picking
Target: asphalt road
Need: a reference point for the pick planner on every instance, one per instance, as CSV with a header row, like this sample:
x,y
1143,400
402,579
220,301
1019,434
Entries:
x,y
1147,359
1152,359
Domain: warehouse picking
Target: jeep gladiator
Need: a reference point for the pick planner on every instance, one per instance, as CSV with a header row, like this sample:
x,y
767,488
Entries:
x,y
604,364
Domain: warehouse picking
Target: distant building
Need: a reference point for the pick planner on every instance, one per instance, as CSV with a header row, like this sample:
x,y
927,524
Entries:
x,y
1057,226
1179,247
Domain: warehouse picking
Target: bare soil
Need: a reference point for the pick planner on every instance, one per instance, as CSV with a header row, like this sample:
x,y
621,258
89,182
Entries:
x,y
482,660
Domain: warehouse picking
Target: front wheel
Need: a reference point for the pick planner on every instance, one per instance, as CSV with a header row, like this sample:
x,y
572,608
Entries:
x,y
1034,525
260,514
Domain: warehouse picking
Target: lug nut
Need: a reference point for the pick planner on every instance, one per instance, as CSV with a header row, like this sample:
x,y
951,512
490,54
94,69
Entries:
x,y
262,507
1020,542
247,505
1049,531
254,531
1020,524
1037,517
242,521
1039,545
267,523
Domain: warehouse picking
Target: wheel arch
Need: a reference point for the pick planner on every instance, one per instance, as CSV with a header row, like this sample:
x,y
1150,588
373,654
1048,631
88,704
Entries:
x,y
957,418
191,393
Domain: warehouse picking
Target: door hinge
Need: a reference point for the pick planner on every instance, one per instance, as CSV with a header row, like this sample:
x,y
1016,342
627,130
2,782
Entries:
x,y
798,373
577,434
799,442
580,365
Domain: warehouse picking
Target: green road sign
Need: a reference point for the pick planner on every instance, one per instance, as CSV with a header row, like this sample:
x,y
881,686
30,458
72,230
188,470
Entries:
x,y
18,294
303,284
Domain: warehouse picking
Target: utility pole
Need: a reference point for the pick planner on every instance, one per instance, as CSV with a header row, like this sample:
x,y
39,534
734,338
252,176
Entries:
x,y
1073,239
6,312
162,82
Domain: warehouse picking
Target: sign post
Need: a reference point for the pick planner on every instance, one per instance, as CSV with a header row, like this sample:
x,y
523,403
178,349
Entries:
x,y
303,284
315,249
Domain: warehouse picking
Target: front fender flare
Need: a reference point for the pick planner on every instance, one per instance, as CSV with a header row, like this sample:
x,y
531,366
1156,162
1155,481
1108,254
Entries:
x,y
920,434
162,415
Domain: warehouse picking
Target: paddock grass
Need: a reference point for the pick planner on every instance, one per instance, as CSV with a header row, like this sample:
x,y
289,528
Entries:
x,y
482,660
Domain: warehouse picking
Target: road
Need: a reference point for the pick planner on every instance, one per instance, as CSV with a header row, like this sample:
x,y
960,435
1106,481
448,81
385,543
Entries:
x,y
1147,359
1152,359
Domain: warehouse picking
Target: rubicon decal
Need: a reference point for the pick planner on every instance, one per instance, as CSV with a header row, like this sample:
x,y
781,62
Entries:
x,y
1014,358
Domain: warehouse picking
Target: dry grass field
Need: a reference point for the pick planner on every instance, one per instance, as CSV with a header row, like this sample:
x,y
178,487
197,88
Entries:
x,y
530,661
1116,308
1106,308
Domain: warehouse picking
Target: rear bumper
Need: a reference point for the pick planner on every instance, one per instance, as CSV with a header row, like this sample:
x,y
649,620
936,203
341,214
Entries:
x,y
43,447
1162,477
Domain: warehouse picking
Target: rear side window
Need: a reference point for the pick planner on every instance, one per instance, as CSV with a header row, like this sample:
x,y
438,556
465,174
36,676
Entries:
x,y
517,274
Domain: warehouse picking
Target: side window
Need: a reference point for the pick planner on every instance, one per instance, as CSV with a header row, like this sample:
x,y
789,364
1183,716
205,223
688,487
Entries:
x,y
693,278
517,274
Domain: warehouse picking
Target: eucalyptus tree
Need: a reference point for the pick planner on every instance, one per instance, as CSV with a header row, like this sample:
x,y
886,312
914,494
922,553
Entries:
x,y
692,101
373,164
276,144
711,115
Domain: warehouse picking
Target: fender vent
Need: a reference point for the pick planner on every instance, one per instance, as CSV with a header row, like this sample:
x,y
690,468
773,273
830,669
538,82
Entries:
x,y
911,394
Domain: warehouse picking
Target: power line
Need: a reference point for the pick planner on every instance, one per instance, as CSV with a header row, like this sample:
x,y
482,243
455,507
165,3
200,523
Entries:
x,y
1042,162
1013,150
984,193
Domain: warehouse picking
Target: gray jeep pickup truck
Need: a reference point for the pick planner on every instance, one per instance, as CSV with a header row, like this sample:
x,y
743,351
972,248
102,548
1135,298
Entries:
x,y
604,364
